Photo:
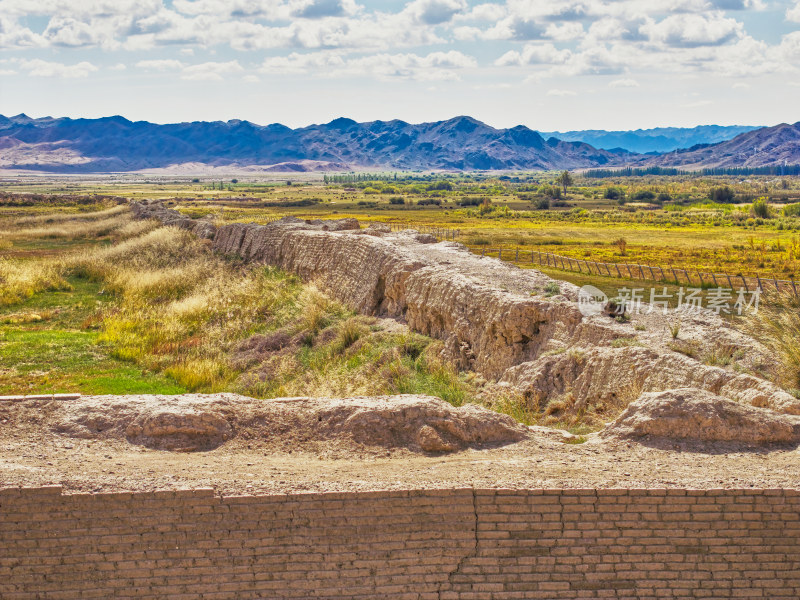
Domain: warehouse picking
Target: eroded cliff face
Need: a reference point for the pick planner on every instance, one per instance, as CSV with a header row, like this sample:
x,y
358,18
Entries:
x,y
493,318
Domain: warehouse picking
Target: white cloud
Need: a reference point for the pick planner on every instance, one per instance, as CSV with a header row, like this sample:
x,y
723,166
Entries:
x,y
691,30
793,12
556,92
435,12
211,71
535,54
13,35
160,65
436,66
302,63
42,68
624,83
118,67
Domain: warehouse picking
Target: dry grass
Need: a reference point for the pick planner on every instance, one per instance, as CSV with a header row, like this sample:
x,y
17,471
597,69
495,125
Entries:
x,y
76,228
21,280
51,218
777,326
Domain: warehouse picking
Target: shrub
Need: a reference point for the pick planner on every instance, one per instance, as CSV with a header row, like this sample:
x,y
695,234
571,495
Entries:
x,y
760,208
645,195
613,193
542,204
792,210
396,200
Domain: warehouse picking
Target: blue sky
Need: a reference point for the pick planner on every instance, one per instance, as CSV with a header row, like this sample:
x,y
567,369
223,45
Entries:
x,y
555,65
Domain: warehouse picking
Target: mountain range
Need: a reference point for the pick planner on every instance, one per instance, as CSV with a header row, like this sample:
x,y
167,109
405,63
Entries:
x,y
659,139
768,146
115,144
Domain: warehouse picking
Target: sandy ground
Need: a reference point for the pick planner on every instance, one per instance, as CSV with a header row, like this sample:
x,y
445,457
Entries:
x,y
31,455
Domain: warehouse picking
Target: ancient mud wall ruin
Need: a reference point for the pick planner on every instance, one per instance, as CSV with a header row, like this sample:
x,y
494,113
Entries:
x,y
494,318
426,544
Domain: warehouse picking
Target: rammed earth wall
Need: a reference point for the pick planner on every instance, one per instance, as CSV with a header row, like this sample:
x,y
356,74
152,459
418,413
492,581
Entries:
x,y
437,544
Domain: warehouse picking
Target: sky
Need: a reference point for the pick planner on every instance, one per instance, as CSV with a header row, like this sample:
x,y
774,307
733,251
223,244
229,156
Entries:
x,y
551,65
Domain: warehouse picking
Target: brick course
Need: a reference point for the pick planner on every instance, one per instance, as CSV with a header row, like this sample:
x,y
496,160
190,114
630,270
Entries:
x,y
437,544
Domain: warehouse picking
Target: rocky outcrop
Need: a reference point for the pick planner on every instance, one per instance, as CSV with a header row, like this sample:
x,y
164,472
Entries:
x,y
195,422
617,376
691,414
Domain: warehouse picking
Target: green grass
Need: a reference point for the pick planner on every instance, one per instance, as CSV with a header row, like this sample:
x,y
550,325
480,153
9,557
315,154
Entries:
x,y
59,351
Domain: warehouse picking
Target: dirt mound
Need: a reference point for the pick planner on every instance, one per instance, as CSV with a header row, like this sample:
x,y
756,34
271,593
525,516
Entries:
x,y
691,414
202,422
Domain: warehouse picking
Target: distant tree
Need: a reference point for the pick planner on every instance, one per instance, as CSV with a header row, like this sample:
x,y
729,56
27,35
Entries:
x,y
234,181
196,180
613,193
622,244
565,179
722,195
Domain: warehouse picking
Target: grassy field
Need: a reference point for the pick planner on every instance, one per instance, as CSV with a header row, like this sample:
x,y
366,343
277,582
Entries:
x,y
663,221
94,302
99,307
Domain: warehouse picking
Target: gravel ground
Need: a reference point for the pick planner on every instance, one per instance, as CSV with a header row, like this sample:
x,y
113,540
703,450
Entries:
x,y
33,455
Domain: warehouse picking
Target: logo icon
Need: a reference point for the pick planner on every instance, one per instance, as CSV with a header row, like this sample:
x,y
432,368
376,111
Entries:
x,y
591,301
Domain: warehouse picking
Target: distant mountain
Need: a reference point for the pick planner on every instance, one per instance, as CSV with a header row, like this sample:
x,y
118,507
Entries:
x,y
660,139
769,146
114,144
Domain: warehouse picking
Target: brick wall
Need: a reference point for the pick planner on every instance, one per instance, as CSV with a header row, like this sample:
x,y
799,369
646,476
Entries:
x,y
438,544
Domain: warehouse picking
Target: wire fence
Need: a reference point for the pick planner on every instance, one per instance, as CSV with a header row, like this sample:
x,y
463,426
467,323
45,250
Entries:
x,y
441,233
668,275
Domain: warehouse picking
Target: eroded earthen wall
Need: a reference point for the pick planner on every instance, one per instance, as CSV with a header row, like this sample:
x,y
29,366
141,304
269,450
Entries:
x,y
448,544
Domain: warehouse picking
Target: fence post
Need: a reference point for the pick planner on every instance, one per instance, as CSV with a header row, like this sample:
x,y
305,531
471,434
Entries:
x,y
758,278
744,281
730,283
516,256
500,254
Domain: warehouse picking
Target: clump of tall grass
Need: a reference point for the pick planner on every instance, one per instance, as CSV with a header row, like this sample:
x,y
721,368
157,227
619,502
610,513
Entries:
x,y
70,229
158,249
19,280
776,324
69,216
